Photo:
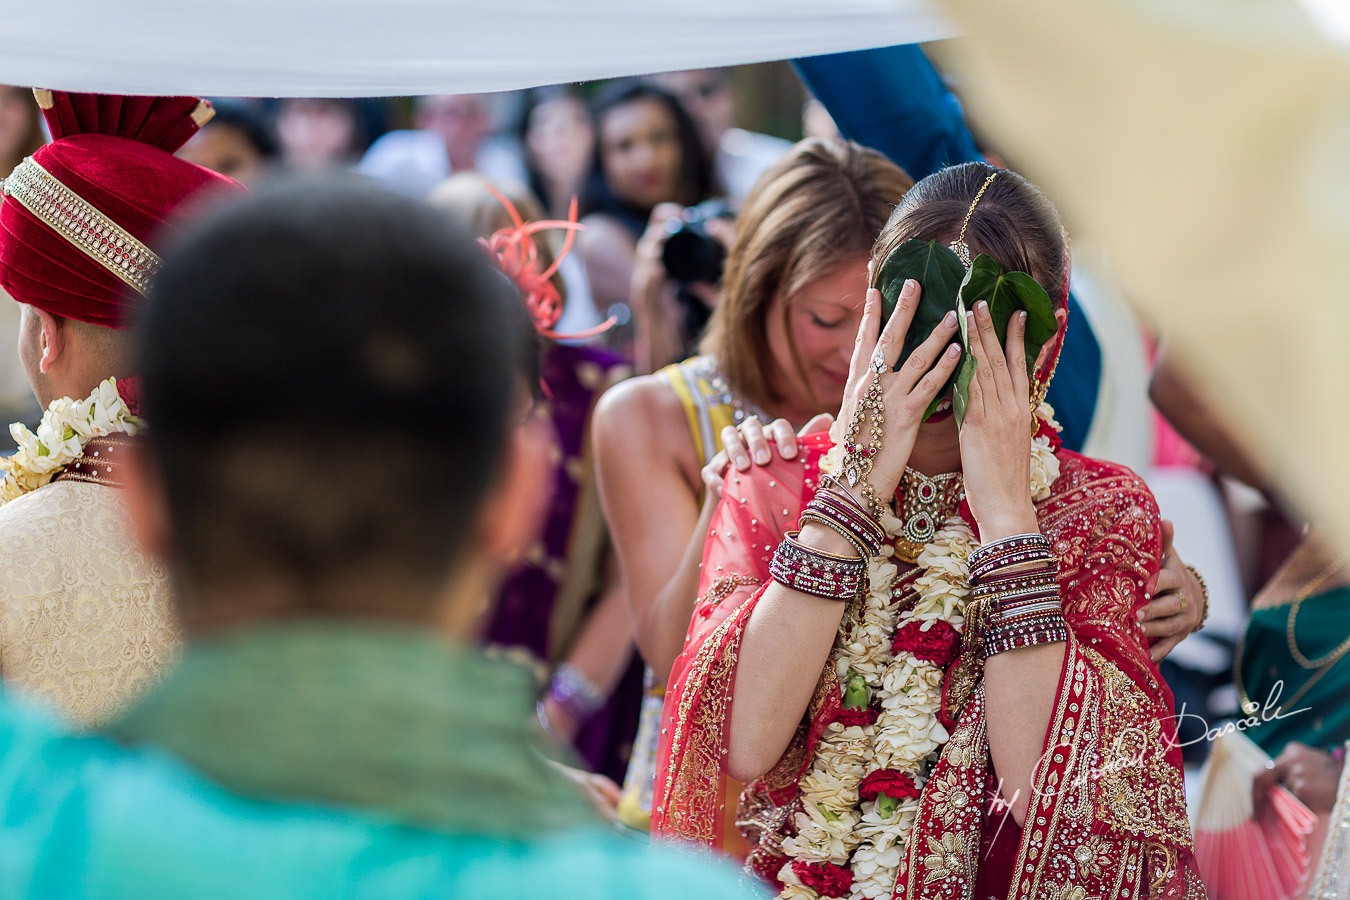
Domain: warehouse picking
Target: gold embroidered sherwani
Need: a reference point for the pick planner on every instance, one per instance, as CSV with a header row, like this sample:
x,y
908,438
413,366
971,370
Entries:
x,y
85,624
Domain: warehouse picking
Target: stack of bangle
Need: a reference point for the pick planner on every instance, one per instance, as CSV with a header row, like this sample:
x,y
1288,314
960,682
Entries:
x,y
816,572
1018,578
836,508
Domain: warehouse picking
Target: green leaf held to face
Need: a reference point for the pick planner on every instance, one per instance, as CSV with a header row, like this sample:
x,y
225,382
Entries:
x,y
947,285
1006,293
939,272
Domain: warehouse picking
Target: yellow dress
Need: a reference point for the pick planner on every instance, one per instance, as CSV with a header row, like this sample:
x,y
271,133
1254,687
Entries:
x,y
709,406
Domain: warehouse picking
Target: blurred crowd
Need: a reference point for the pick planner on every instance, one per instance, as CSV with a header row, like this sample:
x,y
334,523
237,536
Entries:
x,y
636,373
657,169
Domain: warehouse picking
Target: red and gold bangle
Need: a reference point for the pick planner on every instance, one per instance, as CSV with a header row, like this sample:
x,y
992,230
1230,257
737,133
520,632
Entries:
x,y
1048,631
837,504
815,572
1019,547
865,550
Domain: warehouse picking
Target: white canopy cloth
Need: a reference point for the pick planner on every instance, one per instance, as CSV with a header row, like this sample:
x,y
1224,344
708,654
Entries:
x,y
354,48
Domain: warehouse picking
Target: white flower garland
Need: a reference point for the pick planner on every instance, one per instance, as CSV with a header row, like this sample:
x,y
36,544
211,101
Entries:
x,y
66,427
835,826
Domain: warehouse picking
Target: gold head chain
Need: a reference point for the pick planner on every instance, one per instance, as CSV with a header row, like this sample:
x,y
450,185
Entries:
x,y
959,245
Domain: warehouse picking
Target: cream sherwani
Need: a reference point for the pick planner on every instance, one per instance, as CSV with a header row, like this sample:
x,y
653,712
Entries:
x,y
85,624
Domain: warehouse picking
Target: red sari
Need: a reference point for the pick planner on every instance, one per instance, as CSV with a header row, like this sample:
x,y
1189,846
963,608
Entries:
x,y
1108,818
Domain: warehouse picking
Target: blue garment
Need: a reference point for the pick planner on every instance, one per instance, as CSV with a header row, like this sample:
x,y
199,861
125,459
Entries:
x,y
893,100
87,817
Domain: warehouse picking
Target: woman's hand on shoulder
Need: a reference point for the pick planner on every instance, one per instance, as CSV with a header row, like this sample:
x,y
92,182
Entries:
x,y
752,440
1178,602
996,430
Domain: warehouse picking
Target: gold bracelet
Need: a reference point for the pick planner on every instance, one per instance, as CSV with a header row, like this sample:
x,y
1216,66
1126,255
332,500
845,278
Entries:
x,y
1204,600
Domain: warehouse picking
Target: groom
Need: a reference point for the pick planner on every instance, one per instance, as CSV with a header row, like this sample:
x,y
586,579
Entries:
x,y
339,469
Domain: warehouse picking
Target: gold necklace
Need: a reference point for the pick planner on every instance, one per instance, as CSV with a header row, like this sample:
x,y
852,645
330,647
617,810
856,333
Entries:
x,y
925,504
1323,665
1307,592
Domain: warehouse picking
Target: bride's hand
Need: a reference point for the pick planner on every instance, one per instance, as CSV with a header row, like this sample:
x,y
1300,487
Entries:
x,y
996,431
906,393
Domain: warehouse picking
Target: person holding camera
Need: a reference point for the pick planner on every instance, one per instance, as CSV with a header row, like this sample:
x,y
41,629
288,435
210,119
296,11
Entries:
x,y
778,345
676,271
647,153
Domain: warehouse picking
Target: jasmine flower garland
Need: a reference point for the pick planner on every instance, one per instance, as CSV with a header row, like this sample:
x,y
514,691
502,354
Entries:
x,y
66,427
860,797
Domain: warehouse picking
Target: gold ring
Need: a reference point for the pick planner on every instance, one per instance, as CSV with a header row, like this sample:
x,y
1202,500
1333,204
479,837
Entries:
x,y
1183,601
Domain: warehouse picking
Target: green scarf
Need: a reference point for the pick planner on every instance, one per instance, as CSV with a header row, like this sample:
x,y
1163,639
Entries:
x,y
371,715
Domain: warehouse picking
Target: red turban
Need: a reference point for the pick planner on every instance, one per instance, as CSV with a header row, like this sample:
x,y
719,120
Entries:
x,y
79,217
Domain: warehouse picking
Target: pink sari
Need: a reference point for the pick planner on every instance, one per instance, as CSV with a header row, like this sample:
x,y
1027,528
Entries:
x,y
1108,818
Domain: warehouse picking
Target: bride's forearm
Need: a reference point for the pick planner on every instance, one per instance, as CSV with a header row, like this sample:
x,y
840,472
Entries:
x,y
1020,688
783,652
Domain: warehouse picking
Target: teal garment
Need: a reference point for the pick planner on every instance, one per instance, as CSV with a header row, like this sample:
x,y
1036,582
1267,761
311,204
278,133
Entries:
x,y
92,817
1321,717
362,714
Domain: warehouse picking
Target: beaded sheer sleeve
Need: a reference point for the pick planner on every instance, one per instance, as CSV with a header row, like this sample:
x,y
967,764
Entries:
x,y
757,509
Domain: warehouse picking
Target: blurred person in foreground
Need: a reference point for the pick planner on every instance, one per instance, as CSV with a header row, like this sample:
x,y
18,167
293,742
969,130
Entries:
x,y
329,731
562,601
85,624
1290,667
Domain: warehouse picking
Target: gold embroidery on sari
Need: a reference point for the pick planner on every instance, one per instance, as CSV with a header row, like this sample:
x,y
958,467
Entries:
x,y
1065,892
948,857
765,826
945,841
700,764
1141,793
720,590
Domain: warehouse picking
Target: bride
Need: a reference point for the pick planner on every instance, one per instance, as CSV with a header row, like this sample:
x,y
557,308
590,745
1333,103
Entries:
x,y
937,686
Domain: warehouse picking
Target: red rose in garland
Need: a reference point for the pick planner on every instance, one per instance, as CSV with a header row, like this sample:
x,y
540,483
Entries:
x,y
826,879
939,645
129,389
865,716
889,787
893,783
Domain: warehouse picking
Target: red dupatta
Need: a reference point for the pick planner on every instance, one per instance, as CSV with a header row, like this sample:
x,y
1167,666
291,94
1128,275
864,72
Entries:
x,y
1108,818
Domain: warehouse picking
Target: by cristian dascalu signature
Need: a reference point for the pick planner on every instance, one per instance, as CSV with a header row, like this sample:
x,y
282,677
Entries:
x,y
1271,711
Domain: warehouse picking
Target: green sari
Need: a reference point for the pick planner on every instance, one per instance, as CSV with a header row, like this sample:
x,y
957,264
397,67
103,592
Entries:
x,y
1272,678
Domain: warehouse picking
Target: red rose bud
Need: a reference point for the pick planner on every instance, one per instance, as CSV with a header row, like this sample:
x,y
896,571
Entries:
x,y
129,389
826,879
864,717
893,783
1046,430
939,645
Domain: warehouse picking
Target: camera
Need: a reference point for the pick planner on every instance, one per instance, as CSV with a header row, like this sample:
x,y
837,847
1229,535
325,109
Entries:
x,y
690,254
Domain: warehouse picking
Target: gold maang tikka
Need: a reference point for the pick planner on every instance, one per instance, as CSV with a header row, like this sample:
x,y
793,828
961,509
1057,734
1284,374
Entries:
x,y
959,245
